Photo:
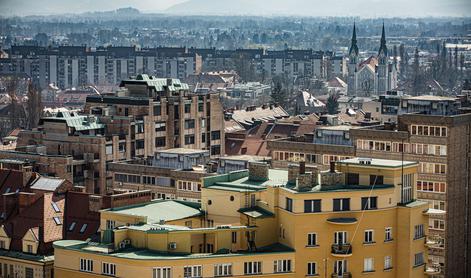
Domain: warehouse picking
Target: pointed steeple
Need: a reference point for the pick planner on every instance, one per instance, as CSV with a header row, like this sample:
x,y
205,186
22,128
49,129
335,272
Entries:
x,y
382,48
354,47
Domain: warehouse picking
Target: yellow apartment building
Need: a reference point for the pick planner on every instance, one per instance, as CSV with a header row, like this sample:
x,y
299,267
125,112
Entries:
x,y
358,219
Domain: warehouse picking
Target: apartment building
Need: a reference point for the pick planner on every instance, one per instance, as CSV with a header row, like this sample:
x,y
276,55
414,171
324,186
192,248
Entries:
x,y
73,66
354,219
170,174
441,145
147,115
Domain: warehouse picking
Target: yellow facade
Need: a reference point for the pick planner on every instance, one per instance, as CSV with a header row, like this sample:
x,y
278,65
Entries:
x,y
272,225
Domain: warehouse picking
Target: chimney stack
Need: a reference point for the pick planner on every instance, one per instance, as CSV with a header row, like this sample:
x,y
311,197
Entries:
x,y
302,167
258,171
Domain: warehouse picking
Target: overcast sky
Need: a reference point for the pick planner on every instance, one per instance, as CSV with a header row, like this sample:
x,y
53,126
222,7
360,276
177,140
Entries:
x,y
363,8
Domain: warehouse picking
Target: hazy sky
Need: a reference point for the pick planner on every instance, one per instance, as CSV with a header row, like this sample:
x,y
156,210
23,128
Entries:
x,y
363,8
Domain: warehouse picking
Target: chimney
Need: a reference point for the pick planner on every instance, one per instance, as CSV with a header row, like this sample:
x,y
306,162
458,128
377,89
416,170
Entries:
x,y
27,173
258,171
332,166
293,172
25,200
302,167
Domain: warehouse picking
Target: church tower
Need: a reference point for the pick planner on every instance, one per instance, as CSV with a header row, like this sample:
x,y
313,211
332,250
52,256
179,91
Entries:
x,y
352,64
382,71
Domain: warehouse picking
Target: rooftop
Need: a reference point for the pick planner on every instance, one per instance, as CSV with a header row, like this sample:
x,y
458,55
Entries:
x,y
158,84
46,183
374,162
182,151
157,210
431,98
146,254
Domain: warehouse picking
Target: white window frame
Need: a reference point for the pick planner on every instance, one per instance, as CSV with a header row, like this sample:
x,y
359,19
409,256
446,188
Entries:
x,y
368,265
282,266
252,268
86,265
388,236
369,236
311,268
162,272
193,271
108,269
387,262
312,239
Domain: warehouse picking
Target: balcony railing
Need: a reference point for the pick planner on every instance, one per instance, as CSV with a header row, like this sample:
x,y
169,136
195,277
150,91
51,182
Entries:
x,y
343,275
341,249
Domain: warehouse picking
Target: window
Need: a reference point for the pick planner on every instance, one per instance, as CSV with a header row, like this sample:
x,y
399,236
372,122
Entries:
x,y
252,268
437,224
84,227
139,144
369,236
72,226
86,265
2,244
215,150
160,126
406,192
203,137
162,272
388,234
55,207
57,220
215,135
289,204
311,268
189,139
430,186
189,124
340,238
110,224
187,107
375,180
159,142
234,237
222,270
419,231
122,147
282,266
368,265
194,271
369,203
29,248
353,179
312,206
157,110
387,262
342,204
200,106
419,259
312,239
29,272
108,269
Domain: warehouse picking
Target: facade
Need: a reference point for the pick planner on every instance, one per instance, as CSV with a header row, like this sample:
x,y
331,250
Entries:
x,y
269,223
73,66
171,174
150,114
374,76
440,144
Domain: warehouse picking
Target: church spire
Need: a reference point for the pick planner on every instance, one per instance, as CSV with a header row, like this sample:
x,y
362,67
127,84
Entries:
x,y
382,48
354,47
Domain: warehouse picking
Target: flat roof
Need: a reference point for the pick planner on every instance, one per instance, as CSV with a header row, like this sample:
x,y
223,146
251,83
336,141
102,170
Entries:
x,y
246,157
147,254
243,184
431,98
182,151
375,162
158,210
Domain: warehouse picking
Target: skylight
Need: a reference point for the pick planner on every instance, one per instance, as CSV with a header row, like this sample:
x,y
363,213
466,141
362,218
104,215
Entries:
x,y
57,220
84,227
72,226
55,207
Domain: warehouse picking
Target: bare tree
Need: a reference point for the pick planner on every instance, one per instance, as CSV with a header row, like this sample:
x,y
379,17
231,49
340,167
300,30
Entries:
x,y
33,106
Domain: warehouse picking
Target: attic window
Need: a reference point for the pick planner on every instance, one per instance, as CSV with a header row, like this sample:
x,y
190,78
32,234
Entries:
x,y
84,227
55,207
57,220
72,226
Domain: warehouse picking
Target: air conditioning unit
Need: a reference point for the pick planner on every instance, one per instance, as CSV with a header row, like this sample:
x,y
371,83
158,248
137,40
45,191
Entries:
x,y
172,245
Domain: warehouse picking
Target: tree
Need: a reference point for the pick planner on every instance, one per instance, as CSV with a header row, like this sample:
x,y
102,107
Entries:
x,y
33,106
332,104
279,94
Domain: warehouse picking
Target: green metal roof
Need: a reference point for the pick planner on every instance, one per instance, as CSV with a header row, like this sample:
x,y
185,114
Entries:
x,y
158,210
79,122
239,181
158,84
27,257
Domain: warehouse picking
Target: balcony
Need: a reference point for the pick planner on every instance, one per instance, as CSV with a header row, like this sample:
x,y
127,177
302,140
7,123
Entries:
x,y
432,269
341,250
343,275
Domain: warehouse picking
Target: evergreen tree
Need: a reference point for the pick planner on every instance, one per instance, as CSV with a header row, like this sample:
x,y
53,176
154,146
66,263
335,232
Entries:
x,y
332,104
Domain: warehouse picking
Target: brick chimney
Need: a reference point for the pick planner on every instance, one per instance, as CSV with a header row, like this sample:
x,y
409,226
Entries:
x,y
25,200
258,171
293,172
